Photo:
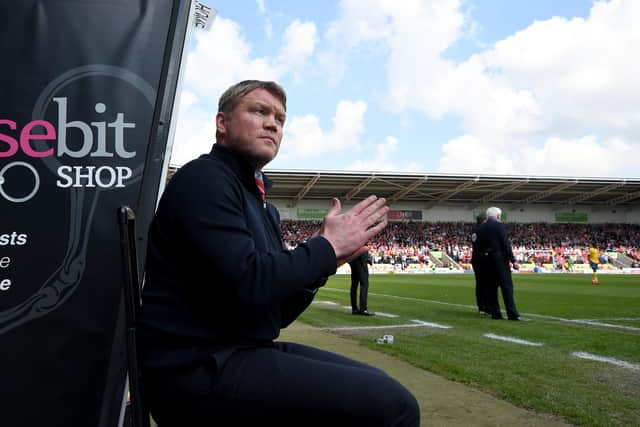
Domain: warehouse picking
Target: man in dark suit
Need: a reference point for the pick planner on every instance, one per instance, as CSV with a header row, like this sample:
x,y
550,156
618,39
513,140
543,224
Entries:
x,y
220,285
482,287
360,275
495,250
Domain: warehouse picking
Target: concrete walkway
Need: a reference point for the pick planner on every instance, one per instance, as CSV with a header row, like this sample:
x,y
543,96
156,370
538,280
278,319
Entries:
x,y
442,402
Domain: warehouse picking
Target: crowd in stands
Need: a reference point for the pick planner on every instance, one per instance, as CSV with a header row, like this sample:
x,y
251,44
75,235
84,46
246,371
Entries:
x,y
539,243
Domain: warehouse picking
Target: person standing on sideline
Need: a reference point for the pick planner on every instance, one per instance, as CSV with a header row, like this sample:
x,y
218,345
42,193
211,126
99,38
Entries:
x,y
569,263
482,287
594,262
360,276
220,285
495,250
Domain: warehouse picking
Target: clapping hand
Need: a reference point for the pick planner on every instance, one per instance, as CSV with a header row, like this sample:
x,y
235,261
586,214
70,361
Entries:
x,y
349,232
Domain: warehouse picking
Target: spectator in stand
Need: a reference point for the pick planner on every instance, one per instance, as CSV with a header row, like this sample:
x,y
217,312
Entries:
x,y
603,258
569,264
534,242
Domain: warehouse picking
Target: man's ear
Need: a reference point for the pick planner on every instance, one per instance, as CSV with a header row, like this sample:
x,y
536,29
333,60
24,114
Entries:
x,y
221,122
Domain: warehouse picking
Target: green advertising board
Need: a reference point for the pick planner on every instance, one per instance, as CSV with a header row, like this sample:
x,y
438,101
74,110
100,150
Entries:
x,y
311,213
581,217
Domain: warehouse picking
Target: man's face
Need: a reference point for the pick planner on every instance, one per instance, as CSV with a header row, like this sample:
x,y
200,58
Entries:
x,y
254,127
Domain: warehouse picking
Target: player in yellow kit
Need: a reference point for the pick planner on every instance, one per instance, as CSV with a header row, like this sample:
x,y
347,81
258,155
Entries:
x,y
594,261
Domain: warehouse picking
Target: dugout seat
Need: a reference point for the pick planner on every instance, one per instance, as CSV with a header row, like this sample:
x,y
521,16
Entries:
x,y
136,413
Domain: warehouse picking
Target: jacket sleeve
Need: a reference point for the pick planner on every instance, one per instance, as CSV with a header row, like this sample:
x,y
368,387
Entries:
x,y
210,217
295,305
504,242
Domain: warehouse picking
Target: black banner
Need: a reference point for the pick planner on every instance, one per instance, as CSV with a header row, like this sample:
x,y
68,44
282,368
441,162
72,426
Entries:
x,y
86,90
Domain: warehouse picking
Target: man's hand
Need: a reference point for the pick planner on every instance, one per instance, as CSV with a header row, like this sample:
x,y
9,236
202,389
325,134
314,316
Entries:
x,y
516,266
349,232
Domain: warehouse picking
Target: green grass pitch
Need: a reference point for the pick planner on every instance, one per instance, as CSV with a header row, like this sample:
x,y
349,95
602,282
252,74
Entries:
x,y
533,364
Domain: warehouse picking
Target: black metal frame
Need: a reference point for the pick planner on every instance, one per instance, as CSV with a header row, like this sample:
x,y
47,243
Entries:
x,y
133,302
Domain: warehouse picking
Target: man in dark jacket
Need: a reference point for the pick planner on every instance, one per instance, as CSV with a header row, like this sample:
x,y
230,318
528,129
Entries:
x,y
220,285
495,250
360,276
483,288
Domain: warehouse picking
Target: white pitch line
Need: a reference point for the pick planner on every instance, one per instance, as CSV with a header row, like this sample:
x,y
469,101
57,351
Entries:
x,y
611,360
605,325
513,340
432,324
349,328
632,319
539,316
415,324
407,298
377,313
348,307
382,314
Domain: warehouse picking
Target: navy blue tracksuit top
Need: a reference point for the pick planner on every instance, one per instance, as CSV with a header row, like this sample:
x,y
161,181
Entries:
x,y
217,274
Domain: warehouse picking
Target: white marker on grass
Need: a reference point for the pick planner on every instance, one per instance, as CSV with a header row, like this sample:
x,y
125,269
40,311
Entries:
x,y
611,360
602,324
415,324
356,328
513,340
432,324
380,313
377,313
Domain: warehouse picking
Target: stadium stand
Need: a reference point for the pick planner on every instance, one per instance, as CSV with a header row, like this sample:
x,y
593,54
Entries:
x,y
552,220
550,246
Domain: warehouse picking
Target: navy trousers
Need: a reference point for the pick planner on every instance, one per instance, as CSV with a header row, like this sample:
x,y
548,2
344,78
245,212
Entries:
x,y
359,278
483,288
285,384
501,277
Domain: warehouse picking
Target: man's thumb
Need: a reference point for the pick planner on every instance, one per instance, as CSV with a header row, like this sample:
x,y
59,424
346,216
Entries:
x,y
335,207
